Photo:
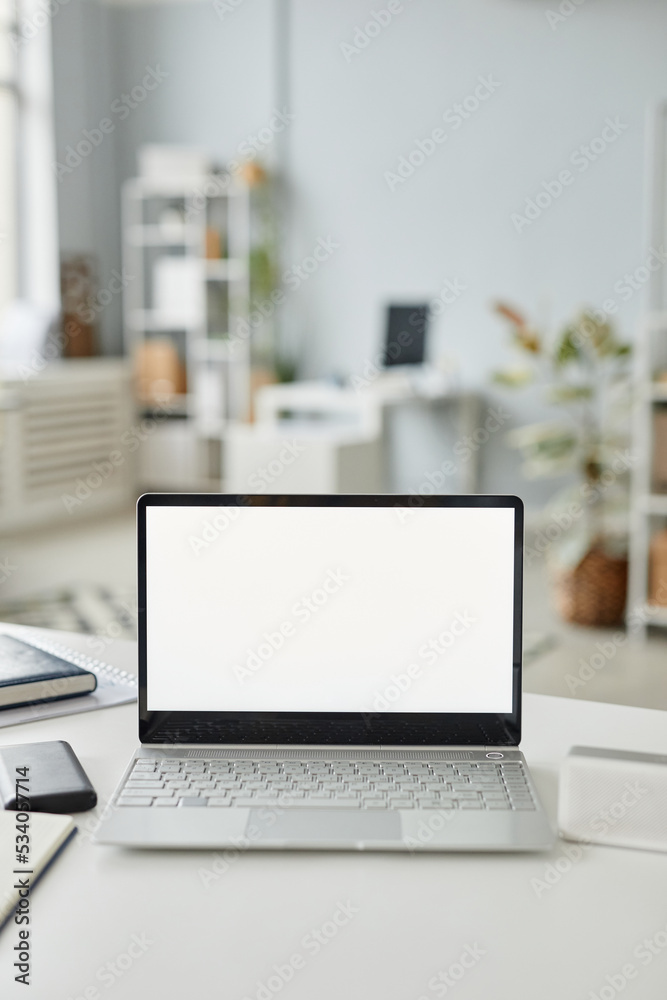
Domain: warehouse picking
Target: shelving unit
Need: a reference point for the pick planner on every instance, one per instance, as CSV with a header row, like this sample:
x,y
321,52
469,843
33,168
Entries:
x,y
648,508
186,257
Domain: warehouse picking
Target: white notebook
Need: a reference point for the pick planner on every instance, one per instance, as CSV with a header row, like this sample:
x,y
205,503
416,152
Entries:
x,y
114,686
47,833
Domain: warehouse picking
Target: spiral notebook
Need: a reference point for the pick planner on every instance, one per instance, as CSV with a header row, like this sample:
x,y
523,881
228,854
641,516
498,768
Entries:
x,y
114,686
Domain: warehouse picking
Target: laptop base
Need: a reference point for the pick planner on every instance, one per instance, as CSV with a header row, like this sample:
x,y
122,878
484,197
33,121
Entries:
x,y
293,827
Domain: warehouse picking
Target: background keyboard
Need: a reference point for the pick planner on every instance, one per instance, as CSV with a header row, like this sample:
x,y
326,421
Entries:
x,y
343,784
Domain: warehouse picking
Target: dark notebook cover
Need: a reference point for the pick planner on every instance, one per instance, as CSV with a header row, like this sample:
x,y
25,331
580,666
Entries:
x,y
29,675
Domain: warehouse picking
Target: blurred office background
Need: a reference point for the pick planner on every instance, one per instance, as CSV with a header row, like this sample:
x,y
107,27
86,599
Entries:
x,y
207,211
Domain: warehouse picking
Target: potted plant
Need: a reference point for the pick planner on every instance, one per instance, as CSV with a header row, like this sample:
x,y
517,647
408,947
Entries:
x,y
584,370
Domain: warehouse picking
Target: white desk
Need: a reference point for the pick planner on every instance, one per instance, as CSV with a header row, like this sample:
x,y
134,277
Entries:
x,y
347,438
415,915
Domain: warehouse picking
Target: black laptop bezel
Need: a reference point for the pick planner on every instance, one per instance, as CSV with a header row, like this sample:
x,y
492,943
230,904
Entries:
x,y
333,728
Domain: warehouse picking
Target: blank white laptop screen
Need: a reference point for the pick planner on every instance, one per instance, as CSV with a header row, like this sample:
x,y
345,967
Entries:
x,y
329,609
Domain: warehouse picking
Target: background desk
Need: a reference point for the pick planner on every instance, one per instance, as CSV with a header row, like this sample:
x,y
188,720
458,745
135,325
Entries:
x,y
378,440
414,915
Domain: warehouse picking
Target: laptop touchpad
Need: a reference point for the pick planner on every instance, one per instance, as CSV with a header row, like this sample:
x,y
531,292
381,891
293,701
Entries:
x,y
321,826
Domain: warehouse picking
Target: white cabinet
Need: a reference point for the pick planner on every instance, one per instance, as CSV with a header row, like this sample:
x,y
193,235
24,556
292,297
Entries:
x,y
261,459
69,442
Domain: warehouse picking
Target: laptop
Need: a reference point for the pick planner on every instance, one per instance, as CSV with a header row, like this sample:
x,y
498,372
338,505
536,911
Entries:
x,y
329,672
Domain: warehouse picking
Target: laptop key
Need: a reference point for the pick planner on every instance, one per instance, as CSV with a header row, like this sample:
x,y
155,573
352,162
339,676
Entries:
x,y
192,802
326,804
140,792
165,802
134,802
219,802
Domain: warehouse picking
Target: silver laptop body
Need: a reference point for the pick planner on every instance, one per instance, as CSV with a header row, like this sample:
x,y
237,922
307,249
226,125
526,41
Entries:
x,y
329,672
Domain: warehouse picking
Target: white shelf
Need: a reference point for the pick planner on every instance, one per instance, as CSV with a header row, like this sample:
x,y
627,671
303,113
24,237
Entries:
x,y
657,392
226,269
656,614
209,187
655,320
654,504
218,349
217,375
645,504
176,406
152,320
163,236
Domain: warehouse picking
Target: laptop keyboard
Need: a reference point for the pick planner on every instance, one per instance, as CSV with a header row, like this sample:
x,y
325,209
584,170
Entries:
x,y
327,784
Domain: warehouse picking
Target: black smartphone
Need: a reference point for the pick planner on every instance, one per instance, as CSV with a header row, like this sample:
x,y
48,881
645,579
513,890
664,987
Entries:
x,y
44,777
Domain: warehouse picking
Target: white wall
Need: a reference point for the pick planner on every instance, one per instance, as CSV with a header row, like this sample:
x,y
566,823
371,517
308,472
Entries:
x,y
452,218
354,120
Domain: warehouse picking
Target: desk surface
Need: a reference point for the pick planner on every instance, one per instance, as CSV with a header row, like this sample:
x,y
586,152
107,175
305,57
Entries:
x,y
367,927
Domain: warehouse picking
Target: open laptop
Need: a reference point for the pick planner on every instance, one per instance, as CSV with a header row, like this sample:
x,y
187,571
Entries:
x,y
329,672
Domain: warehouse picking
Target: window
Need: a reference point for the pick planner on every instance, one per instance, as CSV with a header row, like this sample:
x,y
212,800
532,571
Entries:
x,y
28,228
8,153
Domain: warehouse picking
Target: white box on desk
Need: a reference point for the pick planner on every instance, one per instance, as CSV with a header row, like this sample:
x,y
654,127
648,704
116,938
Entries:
x,y
614,797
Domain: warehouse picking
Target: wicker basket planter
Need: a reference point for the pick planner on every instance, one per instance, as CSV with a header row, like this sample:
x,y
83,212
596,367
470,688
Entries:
x,y
594,592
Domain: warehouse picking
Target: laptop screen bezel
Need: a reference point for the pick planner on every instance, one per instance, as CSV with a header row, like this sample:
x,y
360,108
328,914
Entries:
x,y
335,728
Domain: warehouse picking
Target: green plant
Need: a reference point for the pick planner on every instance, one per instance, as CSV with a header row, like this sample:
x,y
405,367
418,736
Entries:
x,y
584,370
